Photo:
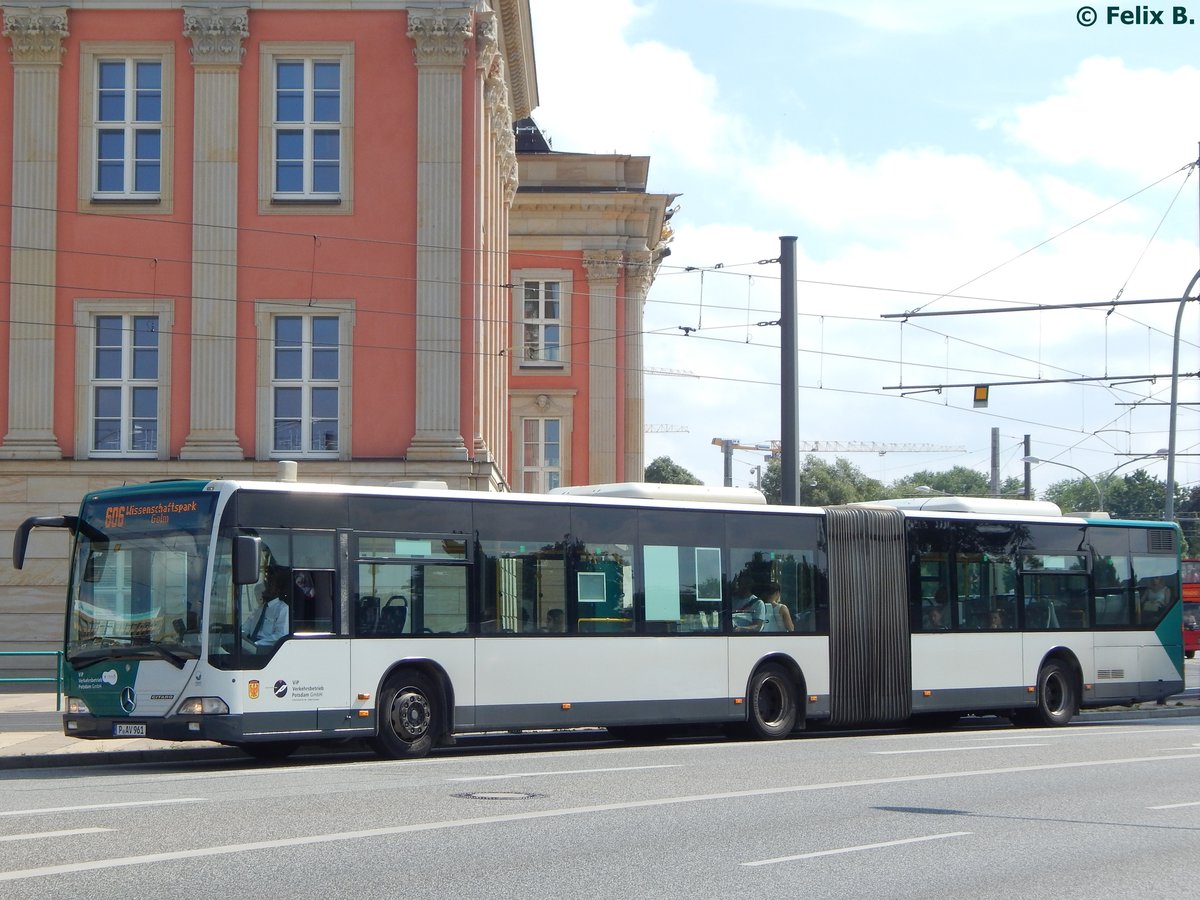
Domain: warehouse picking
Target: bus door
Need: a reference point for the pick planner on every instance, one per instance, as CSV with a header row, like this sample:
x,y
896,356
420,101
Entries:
x,y
870,652
304,670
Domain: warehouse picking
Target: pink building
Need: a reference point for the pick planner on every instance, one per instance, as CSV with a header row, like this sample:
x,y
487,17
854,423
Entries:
x,y
301,231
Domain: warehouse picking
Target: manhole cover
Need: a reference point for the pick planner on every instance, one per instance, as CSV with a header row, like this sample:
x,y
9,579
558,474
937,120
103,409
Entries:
x,y
497,795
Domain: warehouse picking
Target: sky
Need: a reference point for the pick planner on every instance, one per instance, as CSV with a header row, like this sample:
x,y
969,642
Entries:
x,y
927,156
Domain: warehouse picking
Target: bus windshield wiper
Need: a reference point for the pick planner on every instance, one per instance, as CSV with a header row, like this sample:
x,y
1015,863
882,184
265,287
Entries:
x,y
123,648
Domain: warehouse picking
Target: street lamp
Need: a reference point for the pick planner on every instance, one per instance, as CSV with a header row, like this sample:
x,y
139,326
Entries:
x,y
1034,460
1169,508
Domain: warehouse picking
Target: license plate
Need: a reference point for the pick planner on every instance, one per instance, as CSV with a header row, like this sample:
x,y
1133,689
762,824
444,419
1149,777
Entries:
x,y
129,729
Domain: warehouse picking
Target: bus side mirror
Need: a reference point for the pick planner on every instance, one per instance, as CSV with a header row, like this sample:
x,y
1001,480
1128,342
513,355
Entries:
x,y
246,554
21,535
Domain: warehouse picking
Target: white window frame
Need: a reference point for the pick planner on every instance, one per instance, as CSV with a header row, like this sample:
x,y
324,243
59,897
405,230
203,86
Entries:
x,y
520,278
86,313
541,405
272,201
542,476
266,312
91,198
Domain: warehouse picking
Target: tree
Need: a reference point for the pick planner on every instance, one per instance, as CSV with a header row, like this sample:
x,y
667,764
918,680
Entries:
x,y
663,471
959,482
1134,496
824,484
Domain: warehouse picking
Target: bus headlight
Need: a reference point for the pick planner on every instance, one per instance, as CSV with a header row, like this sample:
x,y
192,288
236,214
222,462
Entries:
x,y
76,707
204,706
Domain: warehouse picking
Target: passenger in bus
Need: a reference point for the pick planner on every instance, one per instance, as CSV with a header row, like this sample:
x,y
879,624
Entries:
x,y
778,616
749,612
935,618
996,619
555,622
1156,597
271,623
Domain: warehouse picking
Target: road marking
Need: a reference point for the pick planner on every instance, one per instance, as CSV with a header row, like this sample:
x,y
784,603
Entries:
x,y
51,834
954,749
1090,731
59,809
1175,805
561,772
391,831
916,840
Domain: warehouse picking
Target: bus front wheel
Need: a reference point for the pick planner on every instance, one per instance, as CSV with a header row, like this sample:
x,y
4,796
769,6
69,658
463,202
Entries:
x,y
1057,696
773,705
407,717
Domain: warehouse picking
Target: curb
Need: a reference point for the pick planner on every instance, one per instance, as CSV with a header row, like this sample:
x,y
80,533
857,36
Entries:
x,y
117,757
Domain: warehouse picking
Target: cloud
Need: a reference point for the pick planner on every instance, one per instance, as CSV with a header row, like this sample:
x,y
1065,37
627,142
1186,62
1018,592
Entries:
x,y
651,98
1139,121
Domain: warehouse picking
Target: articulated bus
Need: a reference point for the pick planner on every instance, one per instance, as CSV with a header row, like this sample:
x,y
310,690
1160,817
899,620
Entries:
x,y
1191,607
406,616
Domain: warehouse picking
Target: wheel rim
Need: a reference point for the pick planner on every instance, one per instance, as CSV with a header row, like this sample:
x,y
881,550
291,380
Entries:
x,y
771,703
409,714
1055,693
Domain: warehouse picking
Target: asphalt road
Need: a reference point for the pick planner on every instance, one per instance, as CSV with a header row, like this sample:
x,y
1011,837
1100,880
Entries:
x,y
1110,809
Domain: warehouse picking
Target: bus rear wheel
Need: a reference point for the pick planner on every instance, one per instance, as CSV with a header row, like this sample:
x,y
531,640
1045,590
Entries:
x,y
408,717
772,701
1057,696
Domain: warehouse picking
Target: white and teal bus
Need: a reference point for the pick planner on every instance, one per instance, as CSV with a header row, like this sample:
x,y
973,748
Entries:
x,y
406,616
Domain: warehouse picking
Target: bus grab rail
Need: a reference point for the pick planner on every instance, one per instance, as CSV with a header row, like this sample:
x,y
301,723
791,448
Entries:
x,y
57,678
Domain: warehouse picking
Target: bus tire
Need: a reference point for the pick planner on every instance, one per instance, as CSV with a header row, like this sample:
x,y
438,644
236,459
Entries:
x,y
772,702
408,717
1057,695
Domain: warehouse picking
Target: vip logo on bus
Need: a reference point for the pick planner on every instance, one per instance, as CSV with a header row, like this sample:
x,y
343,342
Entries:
x,y
252,689
281,688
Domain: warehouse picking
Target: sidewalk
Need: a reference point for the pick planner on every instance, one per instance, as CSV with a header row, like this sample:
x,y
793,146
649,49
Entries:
x,y
31,734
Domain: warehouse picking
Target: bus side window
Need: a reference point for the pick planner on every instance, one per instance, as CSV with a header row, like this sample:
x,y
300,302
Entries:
x,y
312,601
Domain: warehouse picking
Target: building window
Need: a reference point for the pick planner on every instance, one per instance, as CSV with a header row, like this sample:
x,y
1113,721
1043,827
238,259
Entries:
x,y
307,129
305,384
542,322
541,457
126,126
128,132
125,388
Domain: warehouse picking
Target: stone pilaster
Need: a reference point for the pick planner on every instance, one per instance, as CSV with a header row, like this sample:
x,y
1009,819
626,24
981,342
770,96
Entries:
x,y
603,272
216,35
36,35
440,37
639,275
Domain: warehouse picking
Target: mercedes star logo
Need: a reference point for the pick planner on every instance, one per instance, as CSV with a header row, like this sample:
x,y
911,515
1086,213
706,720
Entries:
x,y
128,701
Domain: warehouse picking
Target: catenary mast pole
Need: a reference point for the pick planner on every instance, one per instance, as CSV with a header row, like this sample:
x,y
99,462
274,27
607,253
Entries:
x,y
789,438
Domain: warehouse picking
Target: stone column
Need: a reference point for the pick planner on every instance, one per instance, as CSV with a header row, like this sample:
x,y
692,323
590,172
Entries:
x,y
37,46
216,35
497,184
603,270
440,36
639,275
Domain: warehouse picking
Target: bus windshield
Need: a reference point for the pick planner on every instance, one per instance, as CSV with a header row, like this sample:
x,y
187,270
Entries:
x,y
137,575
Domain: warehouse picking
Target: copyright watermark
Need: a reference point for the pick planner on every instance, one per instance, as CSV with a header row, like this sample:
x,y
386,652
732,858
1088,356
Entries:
x,y
1087,16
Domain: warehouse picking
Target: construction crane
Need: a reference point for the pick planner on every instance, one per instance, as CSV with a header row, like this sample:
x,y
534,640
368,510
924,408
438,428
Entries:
x,y
665,429
773,450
